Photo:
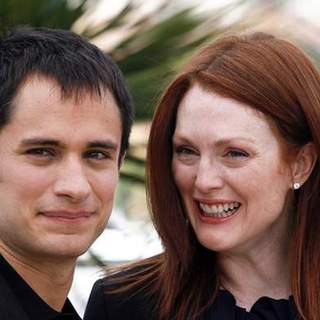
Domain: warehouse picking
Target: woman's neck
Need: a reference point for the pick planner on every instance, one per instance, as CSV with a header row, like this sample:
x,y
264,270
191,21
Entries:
x,y
262,271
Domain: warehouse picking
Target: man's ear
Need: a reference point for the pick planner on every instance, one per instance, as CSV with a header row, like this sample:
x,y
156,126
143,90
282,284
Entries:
x,y
304,163
121,159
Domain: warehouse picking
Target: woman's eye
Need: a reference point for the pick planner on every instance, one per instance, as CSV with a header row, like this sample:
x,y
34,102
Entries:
x,y
186,154
184,151
237,154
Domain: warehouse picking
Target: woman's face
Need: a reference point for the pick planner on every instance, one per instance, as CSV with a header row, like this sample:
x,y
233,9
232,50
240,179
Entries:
x,y
228,164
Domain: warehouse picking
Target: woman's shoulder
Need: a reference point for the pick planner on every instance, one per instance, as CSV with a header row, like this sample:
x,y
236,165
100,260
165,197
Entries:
x,y
119,296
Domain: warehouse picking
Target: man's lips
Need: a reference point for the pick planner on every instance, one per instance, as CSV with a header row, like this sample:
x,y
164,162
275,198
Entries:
x,y
67,215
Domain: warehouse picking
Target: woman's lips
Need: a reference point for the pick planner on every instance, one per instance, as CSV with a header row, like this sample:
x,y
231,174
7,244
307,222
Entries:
x,y
217,211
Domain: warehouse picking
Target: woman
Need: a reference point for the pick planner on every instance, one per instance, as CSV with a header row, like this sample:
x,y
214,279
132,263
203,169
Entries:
x,y
233,182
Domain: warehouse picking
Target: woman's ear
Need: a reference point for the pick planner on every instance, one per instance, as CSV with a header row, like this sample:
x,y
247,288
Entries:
x,y
303,164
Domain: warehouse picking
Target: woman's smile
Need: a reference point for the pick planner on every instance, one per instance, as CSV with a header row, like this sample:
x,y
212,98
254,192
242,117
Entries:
x,y
220,209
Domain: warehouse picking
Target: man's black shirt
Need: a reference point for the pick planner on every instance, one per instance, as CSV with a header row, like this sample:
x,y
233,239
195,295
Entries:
x,y
34,307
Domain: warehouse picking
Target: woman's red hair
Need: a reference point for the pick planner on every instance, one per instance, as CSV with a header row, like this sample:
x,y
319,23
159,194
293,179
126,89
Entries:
x,y
278,79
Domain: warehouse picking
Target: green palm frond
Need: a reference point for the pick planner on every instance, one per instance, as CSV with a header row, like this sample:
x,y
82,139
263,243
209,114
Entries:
x,y
49,13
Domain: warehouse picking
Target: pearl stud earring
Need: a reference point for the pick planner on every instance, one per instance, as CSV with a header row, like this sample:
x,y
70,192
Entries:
x,y
296,185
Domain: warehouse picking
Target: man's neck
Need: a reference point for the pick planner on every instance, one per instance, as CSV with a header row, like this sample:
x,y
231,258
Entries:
x,y
50,280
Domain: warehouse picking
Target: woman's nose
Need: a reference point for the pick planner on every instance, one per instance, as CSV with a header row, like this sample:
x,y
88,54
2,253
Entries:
x,y
208,177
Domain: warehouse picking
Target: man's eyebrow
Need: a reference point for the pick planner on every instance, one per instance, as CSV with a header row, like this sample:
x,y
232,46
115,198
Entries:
x,y
40,141
105,144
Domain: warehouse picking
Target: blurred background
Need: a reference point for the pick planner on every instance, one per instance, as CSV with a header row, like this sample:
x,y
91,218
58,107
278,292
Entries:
x,y
150,40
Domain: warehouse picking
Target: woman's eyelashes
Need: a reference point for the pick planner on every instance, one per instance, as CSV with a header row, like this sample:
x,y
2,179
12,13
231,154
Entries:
x,y
188,153
236,153
231,152
185,154
184,150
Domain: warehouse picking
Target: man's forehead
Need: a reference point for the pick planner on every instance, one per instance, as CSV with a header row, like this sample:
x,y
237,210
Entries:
x,y
49,88
39,96
39,104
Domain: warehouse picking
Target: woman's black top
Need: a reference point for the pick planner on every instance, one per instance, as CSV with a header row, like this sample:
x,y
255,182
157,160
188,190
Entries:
x,y
141,306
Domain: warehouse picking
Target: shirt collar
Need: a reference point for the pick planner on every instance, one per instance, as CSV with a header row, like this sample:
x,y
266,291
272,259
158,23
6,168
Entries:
x,y
30,301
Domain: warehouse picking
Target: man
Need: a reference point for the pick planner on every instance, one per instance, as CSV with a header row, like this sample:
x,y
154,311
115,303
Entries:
x,y
65,119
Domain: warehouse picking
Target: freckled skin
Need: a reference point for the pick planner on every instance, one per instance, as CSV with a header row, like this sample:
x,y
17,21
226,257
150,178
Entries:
x,y
226,150
70,175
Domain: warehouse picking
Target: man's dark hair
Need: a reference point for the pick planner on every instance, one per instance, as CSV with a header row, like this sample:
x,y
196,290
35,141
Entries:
x,y
78,67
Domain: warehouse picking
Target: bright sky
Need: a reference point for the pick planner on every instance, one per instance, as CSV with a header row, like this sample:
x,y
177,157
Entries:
x,y
308,9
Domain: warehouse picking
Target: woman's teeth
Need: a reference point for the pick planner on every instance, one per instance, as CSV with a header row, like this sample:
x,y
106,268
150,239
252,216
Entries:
x,y
222,210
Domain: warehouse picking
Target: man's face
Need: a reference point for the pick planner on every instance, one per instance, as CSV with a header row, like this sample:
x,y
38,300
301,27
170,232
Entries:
x,y
58,171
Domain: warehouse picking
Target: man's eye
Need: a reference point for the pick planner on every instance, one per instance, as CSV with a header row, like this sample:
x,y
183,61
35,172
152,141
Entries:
x,y
236,154
97,155
40,152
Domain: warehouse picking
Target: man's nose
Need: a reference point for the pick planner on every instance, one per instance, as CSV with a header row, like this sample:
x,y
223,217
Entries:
x,y
208,177
71,181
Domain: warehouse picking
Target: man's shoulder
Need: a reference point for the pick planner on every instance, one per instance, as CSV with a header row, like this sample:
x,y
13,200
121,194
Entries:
x,y
10,308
